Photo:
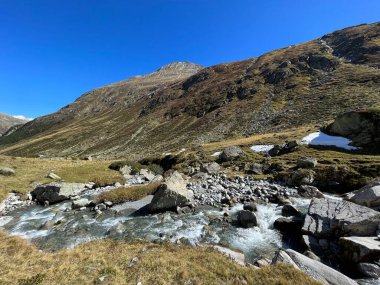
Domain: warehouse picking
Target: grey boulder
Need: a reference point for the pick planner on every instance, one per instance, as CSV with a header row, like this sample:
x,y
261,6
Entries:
x,y
307,162
368,195
56,192
308,191
360,249
80,203
171,194
315,269
210,168
328,217
231,153
247,219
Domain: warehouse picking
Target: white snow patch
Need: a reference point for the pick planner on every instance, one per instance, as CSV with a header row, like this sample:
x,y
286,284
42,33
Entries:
x,y
262,147
216,153
21,117
319,138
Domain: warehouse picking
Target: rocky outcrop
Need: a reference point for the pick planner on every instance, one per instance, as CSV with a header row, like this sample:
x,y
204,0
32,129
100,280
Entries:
x,y
368,196
362,127
56,192
288,147
317,270
333,218
171,194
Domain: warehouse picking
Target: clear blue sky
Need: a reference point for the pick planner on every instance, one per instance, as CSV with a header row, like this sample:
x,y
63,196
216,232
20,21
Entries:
x,y
52,51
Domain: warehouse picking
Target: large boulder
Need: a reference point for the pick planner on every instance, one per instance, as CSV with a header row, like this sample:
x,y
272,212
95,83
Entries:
x,y
230,153
328,217
301,177
362,127
80,203
56,192
247,219
7,171
317,270
368,196
171,194
360,249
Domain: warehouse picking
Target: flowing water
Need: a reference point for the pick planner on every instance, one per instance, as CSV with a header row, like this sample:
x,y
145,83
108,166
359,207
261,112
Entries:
x,y
54,227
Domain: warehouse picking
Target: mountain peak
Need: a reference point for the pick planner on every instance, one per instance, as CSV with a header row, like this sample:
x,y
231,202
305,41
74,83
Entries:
x,y
180,66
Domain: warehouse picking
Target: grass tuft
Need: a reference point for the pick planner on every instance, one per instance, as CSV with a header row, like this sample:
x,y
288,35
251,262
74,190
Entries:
x,y
126,194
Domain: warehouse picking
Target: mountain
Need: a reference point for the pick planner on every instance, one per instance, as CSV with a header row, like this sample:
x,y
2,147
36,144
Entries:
x,y
7,121
182,103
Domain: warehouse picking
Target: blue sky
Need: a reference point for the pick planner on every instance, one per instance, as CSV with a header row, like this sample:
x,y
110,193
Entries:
x,y
52,51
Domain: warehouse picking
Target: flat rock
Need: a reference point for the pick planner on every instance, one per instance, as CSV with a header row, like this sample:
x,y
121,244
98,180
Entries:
x,y
315,269
236,256
333,218
361,249
56,192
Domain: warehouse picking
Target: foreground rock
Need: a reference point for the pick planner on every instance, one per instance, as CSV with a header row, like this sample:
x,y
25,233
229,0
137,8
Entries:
x,y
315,269
361,249
362,127
333,218
368,196
236,256
56,192
80,203
171,194
7,171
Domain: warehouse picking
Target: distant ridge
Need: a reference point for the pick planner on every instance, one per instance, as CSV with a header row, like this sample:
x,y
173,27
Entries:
x,y
183,103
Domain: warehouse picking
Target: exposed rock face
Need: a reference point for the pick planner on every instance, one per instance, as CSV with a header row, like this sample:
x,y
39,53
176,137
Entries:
x,y
301,177
361,249
280,149
7,171
56,192
333,218
247,219
362,127
8,122
317,270
171,194
368,196
231,153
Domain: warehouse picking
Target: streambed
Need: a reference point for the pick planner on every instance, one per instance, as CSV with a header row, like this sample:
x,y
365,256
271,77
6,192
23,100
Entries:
x,y
57,226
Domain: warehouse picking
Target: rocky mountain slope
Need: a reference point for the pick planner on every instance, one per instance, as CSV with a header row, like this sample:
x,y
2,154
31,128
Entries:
x,y
7,121
183,103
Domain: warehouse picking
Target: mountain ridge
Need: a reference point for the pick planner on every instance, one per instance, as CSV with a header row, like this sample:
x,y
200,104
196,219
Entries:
x,y
305,84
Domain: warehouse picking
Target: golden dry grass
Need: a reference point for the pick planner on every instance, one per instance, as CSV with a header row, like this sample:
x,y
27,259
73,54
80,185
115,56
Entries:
x,y
22,263
29,170
125,194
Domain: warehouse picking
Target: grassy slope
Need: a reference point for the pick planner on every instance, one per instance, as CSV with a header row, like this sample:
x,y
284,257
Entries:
x,y
30,170
23,264
276,91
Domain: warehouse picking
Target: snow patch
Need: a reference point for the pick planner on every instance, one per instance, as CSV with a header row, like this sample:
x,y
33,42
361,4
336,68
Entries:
x,y
319,138
21,117
216,153
262,147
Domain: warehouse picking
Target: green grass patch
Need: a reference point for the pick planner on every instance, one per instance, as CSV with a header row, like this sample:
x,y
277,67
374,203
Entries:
x,y
126,194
